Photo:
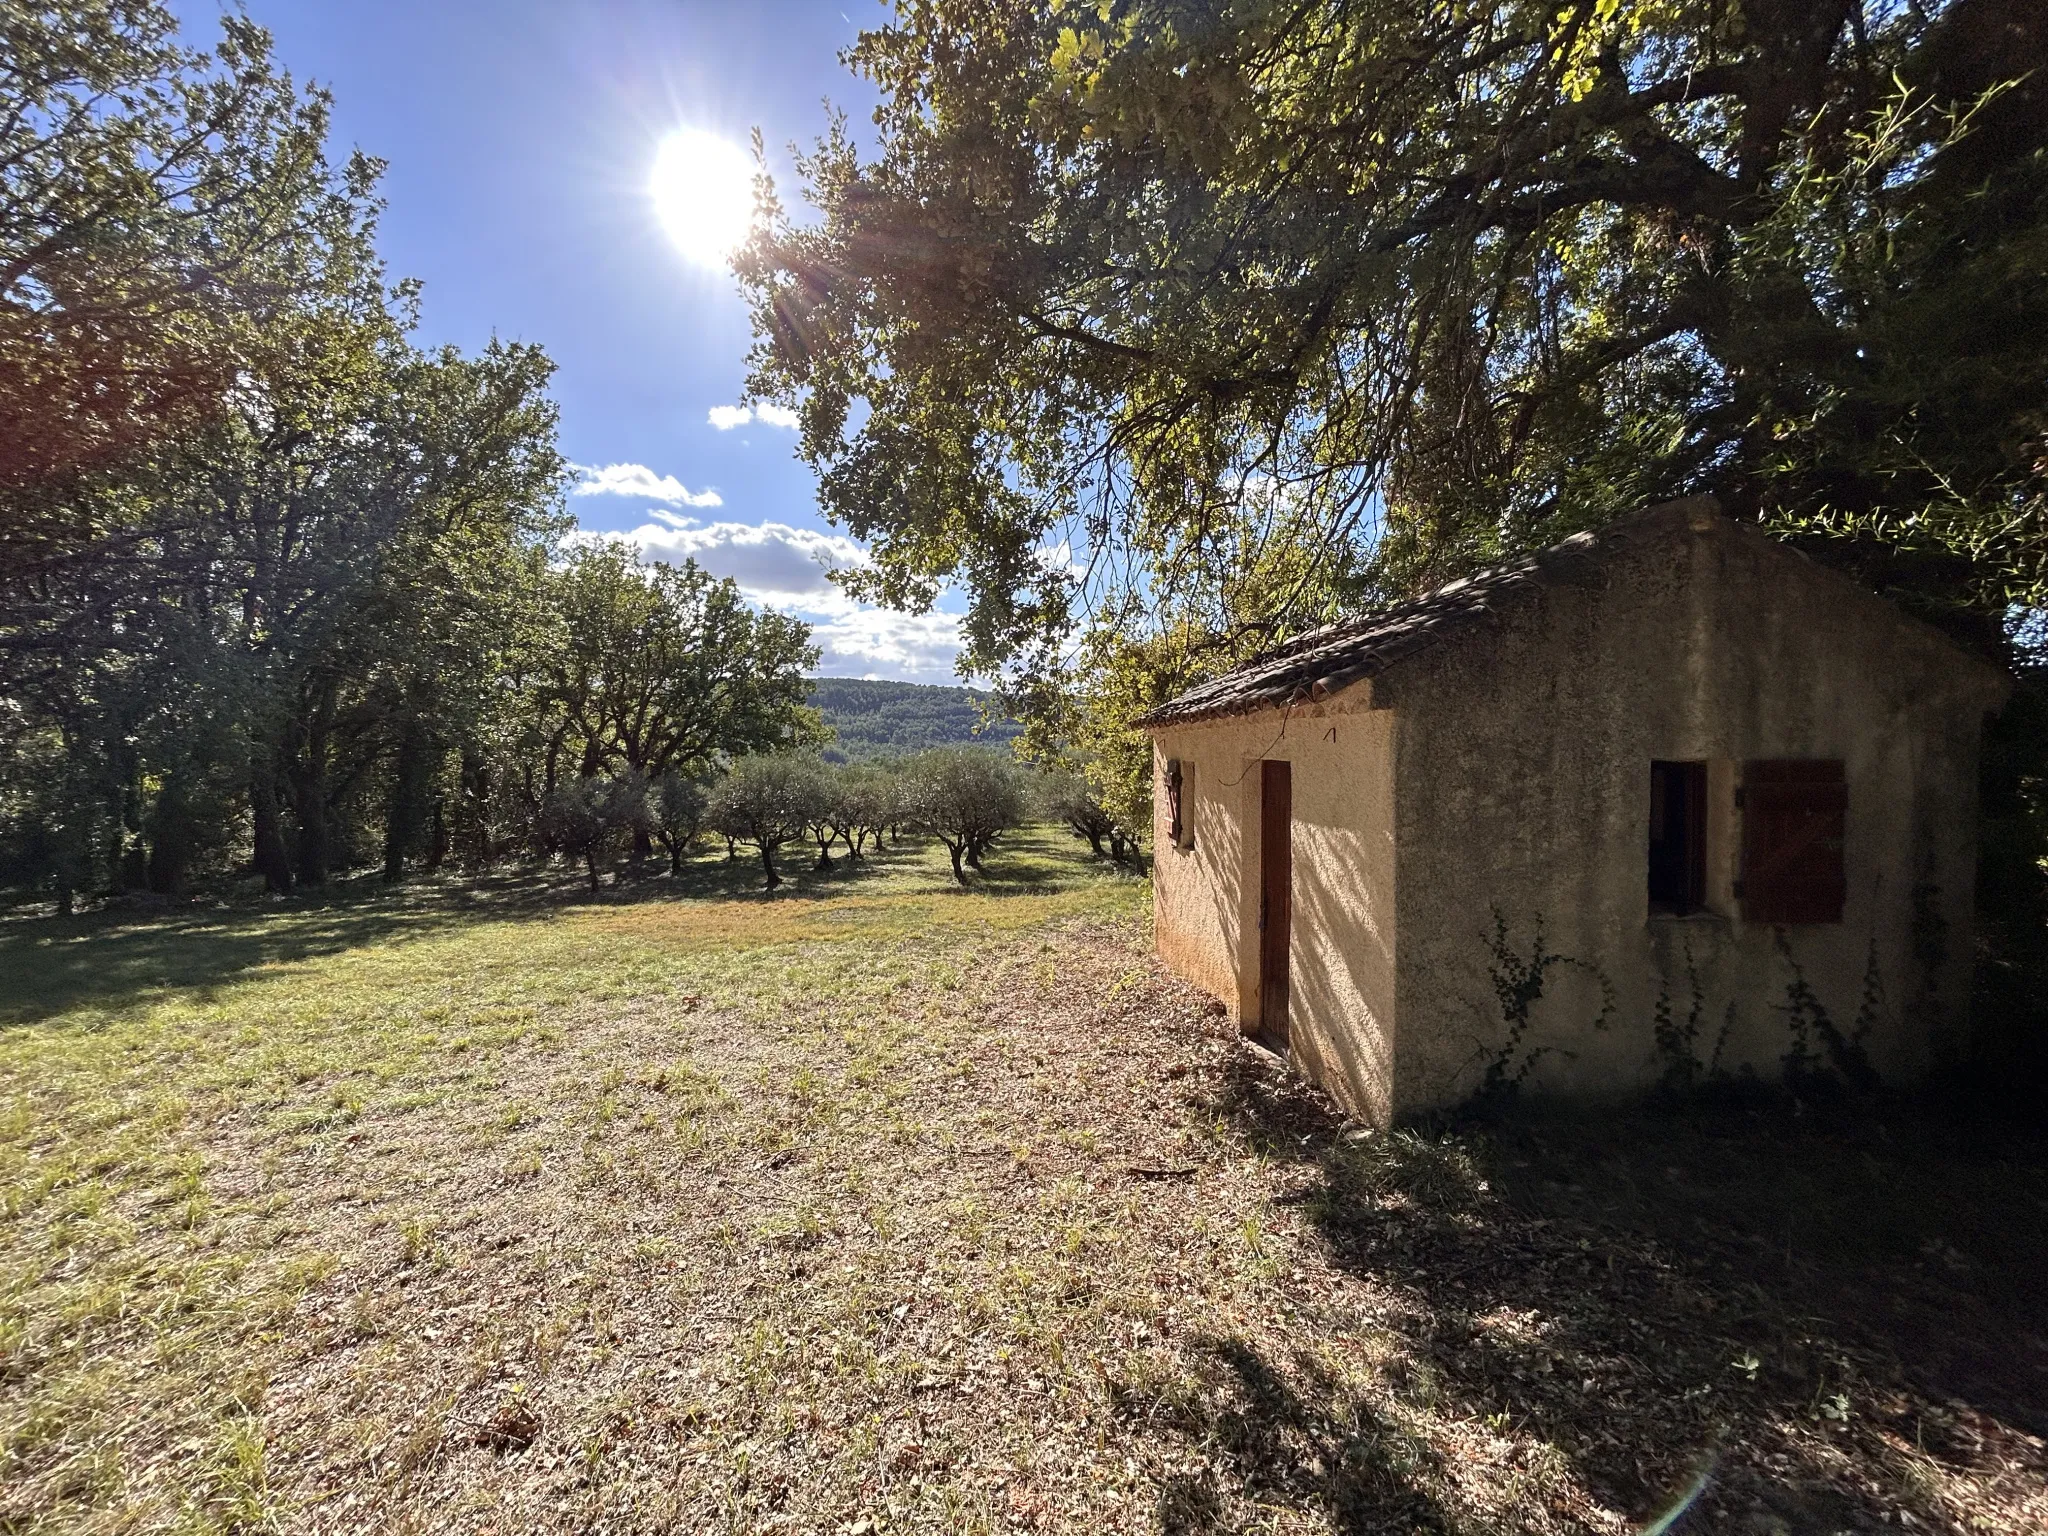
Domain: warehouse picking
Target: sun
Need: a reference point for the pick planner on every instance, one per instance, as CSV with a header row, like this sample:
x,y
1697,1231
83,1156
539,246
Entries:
x,y
703,190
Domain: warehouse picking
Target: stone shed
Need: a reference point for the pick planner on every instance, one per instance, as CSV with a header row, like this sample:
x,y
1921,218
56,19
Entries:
x,y
1685,773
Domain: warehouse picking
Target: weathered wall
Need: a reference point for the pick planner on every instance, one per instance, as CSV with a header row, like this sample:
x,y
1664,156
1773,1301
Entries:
x,y
1342,939
1522,762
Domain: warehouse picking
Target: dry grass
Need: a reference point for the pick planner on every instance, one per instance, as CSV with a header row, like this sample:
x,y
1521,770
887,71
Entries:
x,y
881,1207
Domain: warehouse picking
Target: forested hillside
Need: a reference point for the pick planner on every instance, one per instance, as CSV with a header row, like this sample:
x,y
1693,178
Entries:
x,y
877,719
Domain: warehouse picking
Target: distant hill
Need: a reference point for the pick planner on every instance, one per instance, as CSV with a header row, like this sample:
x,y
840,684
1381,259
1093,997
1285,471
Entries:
x,y
897,719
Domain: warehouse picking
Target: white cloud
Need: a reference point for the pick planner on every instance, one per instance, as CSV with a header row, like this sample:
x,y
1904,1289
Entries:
x,y
1060,558
638,480
876,642
787,569
775,564
726,417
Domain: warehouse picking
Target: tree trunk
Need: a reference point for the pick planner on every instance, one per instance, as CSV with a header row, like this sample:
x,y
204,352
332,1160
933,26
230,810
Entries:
x,y
170,836
406,817
768,863
124,868
675,854
476,801
437,842
590,864
958,873
309,802
309,793
273,859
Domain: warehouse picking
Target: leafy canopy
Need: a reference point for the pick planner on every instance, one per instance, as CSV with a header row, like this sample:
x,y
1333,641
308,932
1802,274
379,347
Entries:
x,y
1264,309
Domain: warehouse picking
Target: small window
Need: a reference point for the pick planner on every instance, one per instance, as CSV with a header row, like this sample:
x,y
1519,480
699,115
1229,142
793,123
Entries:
x,y
1174,781
1678,838
1794,814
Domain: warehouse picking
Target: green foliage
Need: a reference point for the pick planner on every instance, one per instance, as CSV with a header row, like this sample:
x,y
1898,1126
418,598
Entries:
x,y
1519,983
151,193
1065,795
1677,1043
653,667
588,819
678,807
967,799
277,586
1840,1060
1192,326
861,801
871,720
768,801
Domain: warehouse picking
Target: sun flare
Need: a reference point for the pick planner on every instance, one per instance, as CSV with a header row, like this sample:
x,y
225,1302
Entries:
x,y
703,190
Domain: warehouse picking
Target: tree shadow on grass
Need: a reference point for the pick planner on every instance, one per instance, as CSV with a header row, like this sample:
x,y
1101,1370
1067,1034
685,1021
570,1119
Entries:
x,y
125,954
1641,1290
129,952
1032,861
1318,1448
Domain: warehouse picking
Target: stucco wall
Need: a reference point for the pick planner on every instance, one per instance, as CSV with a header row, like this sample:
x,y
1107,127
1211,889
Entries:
x,y
1522,766
1342,937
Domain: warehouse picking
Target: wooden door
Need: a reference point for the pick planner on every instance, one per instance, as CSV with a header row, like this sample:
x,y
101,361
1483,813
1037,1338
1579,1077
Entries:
x,y
1276,897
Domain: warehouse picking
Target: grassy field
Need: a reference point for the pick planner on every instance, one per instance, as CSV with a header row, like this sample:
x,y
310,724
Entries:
x,y
881,1206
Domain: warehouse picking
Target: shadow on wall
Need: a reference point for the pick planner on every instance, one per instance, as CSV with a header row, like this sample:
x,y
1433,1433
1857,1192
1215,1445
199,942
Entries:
x,y
1343,965
1634,1289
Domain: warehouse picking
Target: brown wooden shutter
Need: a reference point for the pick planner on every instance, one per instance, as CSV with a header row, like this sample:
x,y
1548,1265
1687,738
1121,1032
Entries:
x,y
1793,816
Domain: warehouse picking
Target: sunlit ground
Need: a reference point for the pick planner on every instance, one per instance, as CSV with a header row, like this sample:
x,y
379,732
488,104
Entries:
x,y
881,1206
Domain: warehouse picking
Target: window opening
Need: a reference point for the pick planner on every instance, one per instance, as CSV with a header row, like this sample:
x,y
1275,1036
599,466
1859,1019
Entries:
x,y
1678,838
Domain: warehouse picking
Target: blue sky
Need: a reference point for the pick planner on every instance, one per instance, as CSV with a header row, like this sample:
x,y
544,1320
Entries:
x,y
520,135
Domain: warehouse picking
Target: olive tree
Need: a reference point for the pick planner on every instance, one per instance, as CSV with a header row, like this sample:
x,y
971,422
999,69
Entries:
x,y
1067,797
967,799
677,807
862,802
768,801
590,818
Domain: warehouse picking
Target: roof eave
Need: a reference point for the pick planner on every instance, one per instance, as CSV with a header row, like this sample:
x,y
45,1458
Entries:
x,y
1320,691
